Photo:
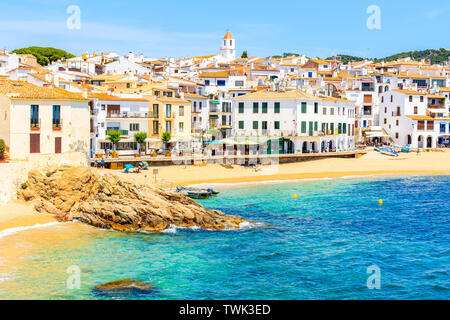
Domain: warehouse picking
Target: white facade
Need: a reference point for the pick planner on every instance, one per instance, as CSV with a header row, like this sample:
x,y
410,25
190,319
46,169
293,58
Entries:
x,y
71,132
123,66
313,124
414,118
8,62
128,116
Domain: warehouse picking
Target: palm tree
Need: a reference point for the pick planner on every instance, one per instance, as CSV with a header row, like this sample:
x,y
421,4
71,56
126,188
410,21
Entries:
x,y
140,137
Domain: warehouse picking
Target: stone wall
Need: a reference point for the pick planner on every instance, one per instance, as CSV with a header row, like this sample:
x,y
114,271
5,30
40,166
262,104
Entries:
x,y
13,174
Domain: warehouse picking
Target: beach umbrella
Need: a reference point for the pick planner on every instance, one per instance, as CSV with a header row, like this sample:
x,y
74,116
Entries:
x,y
129,166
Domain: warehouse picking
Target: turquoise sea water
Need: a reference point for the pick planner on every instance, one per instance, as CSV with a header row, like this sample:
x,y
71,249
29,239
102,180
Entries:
x,y
317,246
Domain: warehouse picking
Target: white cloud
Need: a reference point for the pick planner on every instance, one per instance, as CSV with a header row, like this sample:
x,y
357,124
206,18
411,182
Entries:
x,y
437,12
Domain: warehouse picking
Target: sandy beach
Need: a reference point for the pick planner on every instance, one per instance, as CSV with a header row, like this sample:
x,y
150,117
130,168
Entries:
x,y
372,163
19,214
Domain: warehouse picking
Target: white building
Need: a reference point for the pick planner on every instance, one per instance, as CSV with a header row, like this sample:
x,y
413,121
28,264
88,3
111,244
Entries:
x,y
307,123
127,115
124,65
199,112
8,62
42,121
415,118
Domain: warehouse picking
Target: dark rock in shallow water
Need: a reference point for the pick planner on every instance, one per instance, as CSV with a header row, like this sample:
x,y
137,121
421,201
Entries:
x,y
125,286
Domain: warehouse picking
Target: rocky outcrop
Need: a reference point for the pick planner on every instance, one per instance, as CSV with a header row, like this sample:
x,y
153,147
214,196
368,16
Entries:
x,y
110,202
125,286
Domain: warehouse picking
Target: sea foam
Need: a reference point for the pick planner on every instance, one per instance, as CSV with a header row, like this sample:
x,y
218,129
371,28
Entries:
x,y
10,231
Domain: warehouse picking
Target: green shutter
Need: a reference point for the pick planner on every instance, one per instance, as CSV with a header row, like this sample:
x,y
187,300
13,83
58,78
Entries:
x,y
264,107
316,124
241,107
339,128
303,126
264,125
345,128
332,128
277,107
316,107
255,124
241,124
277,125
255,107
311,126
303,107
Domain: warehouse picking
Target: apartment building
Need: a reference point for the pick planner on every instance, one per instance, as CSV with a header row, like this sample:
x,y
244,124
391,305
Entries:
x,y
199,112
415,118
126,115
42,121
170,114
307,123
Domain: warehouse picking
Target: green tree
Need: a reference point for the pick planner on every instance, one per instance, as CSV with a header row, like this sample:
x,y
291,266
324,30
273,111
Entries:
x,y
113,136
140,137
2,148
45,55
166,136
244,54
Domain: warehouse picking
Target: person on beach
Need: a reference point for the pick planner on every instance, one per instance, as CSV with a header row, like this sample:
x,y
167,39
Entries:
x,y
103,163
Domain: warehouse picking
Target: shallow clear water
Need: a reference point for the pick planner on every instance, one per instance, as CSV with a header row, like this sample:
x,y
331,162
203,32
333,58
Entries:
x,y
317,246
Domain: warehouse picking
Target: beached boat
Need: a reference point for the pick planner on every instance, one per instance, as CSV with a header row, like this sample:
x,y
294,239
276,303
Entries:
x,y
197,193
386,151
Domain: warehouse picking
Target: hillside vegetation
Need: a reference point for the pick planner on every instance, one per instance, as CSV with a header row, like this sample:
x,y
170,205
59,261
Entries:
x,y
45,55
433,56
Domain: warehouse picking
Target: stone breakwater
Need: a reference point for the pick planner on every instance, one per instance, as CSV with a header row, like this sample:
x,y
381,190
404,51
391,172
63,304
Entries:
x,y
110,202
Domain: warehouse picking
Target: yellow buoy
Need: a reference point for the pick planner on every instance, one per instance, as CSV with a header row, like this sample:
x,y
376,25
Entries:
x,y
380,202
295,196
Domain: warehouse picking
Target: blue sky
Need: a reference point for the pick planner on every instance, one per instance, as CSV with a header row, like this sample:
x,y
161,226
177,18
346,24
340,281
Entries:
x,y
188,28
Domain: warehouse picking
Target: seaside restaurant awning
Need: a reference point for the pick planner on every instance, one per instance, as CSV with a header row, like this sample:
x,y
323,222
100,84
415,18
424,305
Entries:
x,y
376,135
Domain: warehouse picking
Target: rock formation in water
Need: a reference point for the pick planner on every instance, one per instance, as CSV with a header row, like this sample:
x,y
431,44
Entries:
x,y
125,286
110,202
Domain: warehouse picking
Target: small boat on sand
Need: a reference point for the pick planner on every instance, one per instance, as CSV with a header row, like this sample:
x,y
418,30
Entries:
x,y
387,151
197,193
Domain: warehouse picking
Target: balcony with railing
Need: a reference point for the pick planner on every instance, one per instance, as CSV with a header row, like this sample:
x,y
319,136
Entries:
x,y
35,124
57,124
128,115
